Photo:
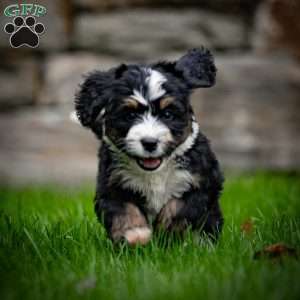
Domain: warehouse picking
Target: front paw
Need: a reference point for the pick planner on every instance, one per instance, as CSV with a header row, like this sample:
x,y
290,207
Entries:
x,y
138,235
168,218
130,226
133,236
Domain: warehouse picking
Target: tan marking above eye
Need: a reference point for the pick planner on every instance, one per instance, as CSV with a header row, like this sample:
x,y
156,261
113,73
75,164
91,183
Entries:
x,y
166,102
131,103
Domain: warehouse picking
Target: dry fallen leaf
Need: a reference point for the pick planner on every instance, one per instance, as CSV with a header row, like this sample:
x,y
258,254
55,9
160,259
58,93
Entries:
x,y
247,227
276,251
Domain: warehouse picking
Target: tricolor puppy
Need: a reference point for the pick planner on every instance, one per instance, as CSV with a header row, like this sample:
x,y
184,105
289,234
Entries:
x,y
156,168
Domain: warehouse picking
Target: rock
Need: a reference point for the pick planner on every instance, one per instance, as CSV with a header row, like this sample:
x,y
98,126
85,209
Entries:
x,y
43,146
223,32
150,34
18,79
252,114
278,27
64,73
109,4
57,22
231,6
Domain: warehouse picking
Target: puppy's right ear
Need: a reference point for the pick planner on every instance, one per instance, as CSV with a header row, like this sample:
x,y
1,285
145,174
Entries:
x,y
94,94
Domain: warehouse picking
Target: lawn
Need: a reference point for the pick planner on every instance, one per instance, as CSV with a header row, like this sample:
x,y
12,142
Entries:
x,y
52,247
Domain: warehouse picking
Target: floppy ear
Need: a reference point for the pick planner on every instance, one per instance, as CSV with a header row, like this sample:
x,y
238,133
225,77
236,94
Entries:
x,y
93,96
198,68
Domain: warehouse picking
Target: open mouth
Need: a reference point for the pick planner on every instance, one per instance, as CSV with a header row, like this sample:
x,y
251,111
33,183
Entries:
x,y
149,164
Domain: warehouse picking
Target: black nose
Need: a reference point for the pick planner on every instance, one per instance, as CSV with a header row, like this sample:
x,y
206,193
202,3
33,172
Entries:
x,y
149,144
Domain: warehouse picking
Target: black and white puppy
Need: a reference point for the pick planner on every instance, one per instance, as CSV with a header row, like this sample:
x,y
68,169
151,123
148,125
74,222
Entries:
x,y
156,168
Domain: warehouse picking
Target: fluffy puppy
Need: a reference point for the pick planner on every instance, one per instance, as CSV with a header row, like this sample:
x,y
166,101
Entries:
x,y
156,168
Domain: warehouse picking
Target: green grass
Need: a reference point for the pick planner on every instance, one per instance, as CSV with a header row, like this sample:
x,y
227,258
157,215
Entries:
x,y
52,247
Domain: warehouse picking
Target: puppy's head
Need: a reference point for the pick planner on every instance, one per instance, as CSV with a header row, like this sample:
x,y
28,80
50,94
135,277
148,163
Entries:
x,y
144,110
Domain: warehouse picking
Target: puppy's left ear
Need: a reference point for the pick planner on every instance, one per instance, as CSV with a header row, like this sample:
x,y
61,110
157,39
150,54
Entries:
x,y
198,68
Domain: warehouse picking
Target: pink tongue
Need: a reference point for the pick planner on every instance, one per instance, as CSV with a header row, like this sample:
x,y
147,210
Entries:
x,y
151,163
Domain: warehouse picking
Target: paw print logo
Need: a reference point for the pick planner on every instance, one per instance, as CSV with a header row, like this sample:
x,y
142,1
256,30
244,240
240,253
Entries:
x,y
24,32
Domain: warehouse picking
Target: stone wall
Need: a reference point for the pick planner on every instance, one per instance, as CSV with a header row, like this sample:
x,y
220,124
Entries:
x,y
251,115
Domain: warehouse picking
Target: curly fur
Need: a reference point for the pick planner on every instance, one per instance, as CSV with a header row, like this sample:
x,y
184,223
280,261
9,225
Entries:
x,y
116,105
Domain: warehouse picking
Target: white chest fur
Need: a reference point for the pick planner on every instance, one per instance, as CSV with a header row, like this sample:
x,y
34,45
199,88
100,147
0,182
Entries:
x,y
159,186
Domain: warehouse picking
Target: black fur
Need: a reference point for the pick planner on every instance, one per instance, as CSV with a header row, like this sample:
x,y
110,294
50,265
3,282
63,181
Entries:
x,y
107,90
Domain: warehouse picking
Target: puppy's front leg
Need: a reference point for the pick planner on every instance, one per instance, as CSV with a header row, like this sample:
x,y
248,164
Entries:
x,y
196,210
129,224
167,217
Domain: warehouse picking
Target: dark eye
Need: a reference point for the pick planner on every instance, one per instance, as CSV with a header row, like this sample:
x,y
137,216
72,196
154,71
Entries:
x,y
130,116
167,115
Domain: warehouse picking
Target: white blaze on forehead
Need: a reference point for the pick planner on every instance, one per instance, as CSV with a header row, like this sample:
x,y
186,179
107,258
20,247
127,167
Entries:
x,y
139,97
154,82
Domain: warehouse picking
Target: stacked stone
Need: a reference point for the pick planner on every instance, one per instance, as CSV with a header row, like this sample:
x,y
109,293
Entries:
x,y
250,115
